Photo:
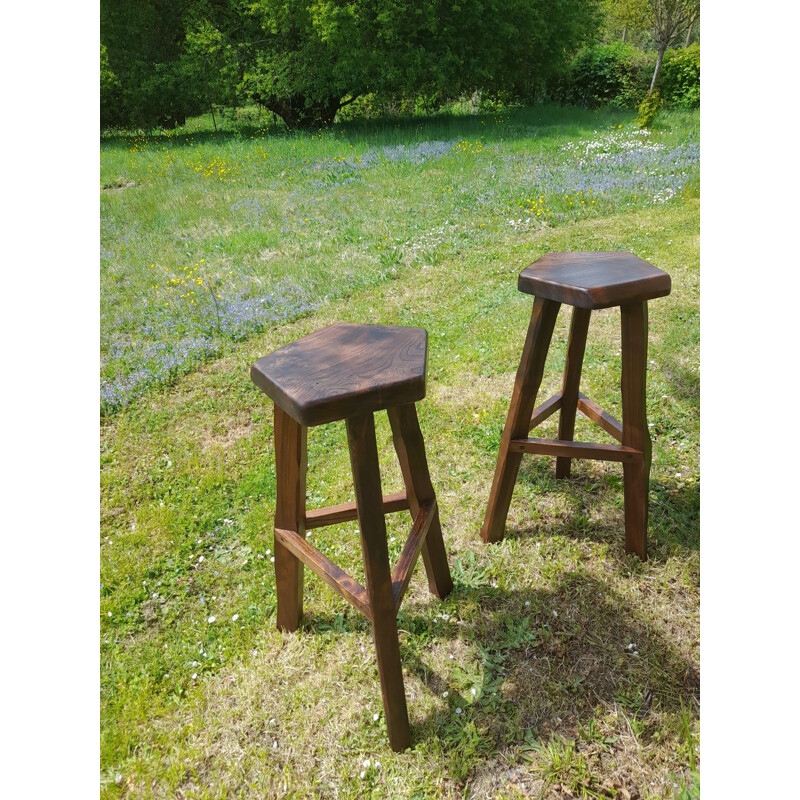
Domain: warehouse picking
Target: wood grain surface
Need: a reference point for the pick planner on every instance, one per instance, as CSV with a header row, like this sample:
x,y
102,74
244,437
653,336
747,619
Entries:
x,y
593,280
343,370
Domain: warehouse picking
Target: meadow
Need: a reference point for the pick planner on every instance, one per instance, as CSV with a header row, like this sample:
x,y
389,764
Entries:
x,y
559,666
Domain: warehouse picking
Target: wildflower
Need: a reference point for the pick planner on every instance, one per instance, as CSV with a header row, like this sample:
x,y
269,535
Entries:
x,y
235,617
458,711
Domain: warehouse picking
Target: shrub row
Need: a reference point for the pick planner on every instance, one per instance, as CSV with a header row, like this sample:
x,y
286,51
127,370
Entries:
x,y
619,75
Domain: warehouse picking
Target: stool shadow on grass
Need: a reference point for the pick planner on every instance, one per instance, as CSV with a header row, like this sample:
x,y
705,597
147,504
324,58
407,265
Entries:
x,y
589,506
538,675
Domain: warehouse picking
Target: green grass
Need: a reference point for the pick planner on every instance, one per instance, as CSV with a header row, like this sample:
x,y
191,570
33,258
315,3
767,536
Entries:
x,y
209,238
532,645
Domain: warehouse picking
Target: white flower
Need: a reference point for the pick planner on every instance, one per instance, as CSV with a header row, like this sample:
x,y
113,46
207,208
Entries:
x,y
444,694
474,691
375,717
362,774
366,763
235,617
194,675
211,619
458,711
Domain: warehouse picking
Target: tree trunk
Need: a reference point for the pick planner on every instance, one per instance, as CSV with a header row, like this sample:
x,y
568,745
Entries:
x,y
624,33
657,70
689,34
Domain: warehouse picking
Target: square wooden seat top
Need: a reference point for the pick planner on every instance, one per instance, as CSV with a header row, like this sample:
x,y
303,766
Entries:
x,y
345,369
594,280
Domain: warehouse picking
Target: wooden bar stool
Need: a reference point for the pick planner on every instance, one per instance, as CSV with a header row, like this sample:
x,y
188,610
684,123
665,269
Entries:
x,y
348,372
585,281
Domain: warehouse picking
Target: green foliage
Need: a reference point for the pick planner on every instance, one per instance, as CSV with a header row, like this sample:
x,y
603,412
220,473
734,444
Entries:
x,y
680,77
615,74
630,19
110,87
648,109
305,61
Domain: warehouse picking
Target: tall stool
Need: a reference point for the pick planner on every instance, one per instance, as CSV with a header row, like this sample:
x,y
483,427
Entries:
x,y
348,372
585,281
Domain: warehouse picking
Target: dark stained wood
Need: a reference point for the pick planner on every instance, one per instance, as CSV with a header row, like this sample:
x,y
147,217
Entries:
x,y
634,425
367,479
586,281
410,448
594,280
347,372
332,515
343,370
290,470
545,410
579,327
601,417
408,558
523,399
336,578
570,449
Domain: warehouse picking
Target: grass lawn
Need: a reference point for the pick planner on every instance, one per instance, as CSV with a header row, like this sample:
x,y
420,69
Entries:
x,y
558,666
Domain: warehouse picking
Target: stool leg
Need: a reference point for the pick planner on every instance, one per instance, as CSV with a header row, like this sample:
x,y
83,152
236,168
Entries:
x,y
523,399
634,425
378,576
410,448
578,329
290,508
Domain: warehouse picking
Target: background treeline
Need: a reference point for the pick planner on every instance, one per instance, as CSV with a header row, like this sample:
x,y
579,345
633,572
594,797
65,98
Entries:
x,y
162,61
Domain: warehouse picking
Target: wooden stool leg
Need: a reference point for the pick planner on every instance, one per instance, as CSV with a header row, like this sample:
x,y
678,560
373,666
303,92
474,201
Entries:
x,y
377,573
634,425
579,327
410,447
290,468
523,400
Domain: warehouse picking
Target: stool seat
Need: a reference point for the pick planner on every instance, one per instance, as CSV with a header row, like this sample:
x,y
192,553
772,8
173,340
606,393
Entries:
x,y
594,280
343,370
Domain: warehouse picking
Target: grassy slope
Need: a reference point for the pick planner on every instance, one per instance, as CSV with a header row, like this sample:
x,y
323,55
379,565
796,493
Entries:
x,y
538,626
284,221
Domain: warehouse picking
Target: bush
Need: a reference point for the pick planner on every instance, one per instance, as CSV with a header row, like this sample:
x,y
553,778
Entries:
x,y
618,75
680,77
648,109
612,74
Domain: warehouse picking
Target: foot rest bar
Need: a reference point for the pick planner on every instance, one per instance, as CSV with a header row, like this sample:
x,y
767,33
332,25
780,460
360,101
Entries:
x,y
320,517
408,558
559,447
336,578
545,410
597,415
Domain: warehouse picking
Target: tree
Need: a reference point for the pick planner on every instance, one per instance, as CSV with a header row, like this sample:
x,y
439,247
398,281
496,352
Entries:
x,y
671,19
306,59
143,41
624,17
